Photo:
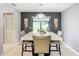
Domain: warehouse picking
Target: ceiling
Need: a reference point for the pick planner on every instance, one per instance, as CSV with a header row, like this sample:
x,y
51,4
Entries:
x,y
40,7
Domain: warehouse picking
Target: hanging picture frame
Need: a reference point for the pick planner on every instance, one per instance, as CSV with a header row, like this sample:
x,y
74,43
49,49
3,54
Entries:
x,y
55,23
25,24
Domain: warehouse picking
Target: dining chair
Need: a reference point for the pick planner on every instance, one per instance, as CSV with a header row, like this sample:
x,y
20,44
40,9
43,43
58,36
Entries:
x,y
59,33
57,46
25,45
56,43
22,33
41,45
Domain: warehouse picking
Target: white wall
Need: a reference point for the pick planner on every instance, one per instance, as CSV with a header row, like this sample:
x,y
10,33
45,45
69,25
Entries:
x,y
1,30
70,26
17,17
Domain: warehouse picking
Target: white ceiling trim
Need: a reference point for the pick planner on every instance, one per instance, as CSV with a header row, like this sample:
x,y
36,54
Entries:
x,y
43,7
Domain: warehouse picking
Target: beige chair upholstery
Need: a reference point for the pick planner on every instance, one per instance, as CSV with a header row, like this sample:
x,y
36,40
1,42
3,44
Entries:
x,y
41,44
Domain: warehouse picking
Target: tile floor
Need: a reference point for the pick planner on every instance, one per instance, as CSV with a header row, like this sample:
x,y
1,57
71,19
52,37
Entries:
x,y
16,51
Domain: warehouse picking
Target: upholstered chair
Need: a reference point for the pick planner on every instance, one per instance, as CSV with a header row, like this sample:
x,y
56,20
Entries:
x,y
41,45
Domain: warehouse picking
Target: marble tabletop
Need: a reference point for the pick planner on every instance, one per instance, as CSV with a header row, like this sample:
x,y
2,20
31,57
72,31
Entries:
x,y
29,36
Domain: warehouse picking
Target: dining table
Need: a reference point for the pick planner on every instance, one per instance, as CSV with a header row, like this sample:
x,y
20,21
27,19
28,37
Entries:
x,y
28,36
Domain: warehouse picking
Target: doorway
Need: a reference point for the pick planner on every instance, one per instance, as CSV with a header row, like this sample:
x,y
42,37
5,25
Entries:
x,y
8,31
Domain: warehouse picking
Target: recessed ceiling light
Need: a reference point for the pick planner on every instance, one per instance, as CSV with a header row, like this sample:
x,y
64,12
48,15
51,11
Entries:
x,y
13,4
41,4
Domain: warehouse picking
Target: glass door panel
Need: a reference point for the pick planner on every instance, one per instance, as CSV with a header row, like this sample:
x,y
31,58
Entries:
x,y
44,25
36,26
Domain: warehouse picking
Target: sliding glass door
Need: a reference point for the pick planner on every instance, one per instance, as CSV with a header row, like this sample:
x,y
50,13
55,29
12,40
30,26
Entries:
x,y
45,25
38,25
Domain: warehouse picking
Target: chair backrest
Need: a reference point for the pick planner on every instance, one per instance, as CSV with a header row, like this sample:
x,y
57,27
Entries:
x,y
41,44
59,33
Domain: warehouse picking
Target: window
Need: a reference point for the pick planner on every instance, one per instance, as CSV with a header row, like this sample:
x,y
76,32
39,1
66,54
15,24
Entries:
x,y
45,25
38,25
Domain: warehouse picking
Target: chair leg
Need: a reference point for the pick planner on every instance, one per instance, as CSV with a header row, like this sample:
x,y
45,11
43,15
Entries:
x,y
46,54
32,50
35,54
22,49
49,49
59,50
56,46
25,46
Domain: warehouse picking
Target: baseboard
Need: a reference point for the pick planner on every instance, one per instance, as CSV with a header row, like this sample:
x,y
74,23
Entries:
x,y
71,48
